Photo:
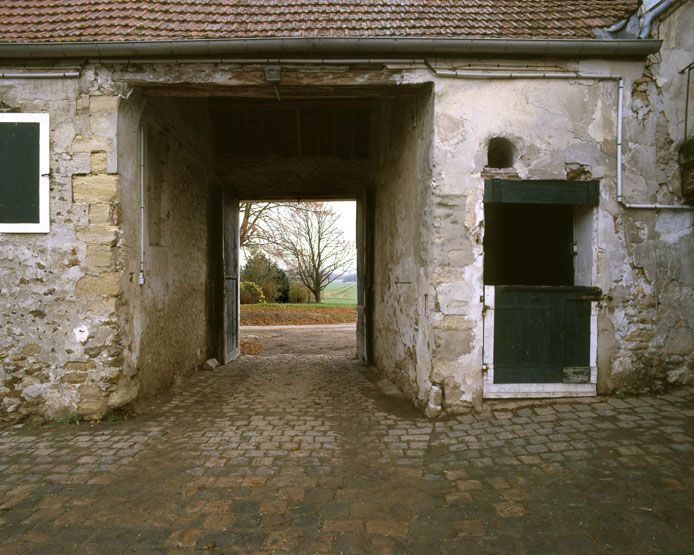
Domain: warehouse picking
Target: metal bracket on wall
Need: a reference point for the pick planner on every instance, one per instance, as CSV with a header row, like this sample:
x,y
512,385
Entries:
x,y
273,74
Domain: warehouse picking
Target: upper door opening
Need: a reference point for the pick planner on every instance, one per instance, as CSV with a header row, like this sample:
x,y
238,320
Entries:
x,y
528,244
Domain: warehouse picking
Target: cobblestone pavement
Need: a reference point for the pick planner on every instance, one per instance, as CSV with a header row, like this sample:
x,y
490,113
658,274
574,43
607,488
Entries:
x,y
306,455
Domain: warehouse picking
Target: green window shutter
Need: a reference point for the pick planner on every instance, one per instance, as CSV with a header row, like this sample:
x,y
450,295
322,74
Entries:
x,y
19,172
541,191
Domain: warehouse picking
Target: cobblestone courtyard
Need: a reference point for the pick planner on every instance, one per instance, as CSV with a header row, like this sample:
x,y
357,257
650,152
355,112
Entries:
x,y
305,454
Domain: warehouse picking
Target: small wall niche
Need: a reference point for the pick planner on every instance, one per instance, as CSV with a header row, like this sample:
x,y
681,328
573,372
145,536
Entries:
x,y
500,153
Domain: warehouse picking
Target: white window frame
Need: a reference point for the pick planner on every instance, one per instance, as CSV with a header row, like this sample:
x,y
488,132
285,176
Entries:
x,y
43,226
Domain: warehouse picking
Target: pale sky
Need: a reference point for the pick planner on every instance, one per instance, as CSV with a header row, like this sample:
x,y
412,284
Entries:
x,y
347,209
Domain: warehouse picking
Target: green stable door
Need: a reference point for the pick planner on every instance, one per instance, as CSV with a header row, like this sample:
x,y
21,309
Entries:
x,y
542,334
542,320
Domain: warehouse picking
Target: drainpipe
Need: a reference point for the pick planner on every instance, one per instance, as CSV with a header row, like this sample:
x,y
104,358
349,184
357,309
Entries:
x,y
465,74
264,61
141,275
650,17
29,74
620,198
328,47
494,74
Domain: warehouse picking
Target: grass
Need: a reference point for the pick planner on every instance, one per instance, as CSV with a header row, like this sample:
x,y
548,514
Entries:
x,y
273,314
338,307
340,293
70,419
112,418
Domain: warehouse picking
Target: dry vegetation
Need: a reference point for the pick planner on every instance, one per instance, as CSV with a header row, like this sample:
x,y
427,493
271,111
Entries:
x,y
296,314
250,347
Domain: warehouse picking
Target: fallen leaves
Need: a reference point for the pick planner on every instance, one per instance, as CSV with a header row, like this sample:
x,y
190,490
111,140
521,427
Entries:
x,y
250,347
293,314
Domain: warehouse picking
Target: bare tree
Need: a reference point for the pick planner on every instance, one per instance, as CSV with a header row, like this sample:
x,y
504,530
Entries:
x,y
254,216
307,239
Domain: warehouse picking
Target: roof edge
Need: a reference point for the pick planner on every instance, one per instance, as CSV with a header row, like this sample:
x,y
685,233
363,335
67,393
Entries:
x,y
329,46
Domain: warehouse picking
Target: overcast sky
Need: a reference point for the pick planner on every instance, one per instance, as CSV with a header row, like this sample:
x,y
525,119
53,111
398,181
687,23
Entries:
x,y
347,212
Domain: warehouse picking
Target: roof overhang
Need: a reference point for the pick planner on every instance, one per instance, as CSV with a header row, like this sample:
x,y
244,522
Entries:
x,y
324,47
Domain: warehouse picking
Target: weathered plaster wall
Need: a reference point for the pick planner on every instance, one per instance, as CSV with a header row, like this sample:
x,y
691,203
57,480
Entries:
x,y
401,343
641,260
168,319
673,236
60,338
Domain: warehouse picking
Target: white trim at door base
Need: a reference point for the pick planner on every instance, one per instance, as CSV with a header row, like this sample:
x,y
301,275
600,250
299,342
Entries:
x,y
493,390
531,390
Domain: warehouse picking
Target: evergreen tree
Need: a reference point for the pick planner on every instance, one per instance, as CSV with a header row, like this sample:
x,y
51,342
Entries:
x,y
282,283
268,275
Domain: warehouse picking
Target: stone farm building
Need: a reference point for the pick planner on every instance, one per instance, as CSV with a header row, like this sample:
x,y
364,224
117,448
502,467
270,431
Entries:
x,y
521,169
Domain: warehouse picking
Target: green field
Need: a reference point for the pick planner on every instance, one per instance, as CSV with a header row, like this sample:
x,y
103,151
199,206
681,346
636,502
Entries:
x,y
340,293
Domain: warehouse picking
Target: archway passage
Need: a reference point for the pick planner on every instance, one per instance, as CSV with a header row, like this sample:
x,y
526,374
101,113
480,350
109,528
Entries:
x,y
205,153
299,286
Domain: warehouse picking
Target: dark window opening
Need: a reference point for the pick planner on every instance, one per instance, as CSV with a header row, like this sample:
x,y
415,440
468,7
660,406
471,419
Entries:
x,y
500,153
528,244
19,172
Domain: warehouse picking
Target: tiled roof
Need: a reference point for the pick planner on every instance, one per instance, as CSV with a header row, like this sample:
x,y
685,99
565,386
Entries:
x,y
151,20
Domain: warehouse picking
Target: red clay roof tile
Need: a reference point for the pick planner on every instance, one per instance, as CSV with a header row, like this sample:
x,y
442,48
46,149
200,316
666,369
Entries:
x,y
152,20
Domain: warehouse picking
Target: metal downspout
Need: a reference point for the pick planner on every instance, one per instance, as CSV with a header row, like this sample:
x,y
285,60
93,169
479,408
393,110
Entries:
x,y
68,74
141,275
650,17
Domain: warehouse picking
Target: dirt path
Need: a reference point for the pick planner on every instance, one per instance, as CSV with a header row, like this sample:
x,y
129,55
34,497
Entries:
x,y
338,340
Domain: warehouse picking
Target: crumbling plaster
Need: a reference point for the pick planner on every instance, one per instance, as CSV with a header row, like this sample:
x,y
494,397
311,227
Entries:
x,y
640,259
672,233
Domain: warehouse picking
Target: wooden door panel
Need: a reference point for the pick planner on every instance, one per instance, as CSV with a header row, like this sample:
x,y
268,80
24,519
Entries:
x,y
230,222
540,331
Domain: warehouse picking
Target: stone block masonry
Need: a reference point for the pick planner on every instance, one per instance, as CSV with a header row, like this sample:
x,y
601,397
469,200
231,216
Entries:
x,y
61,349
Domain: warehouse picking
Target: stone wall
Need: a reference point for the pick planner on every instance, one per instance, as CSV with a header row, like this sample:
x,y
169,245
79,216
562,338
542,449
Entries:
x,y
402,231
61,344
669,355
81,336
168,319
641,259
